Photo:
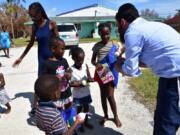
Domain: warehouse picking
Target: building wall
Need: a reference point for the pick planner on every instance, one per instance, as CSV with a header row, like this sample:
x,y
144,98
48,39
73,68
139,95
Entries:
x,y
114,31
88,27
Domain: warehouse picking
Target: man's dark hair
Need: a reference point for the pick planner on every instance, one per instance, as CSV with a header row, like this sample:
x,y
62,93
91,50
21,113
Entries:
x,y
53,41
75,52
45,85
128,12
102,25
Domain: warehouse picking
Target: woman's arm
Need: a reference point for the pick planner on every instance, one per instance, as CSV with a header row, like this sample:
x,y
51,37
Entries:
x,y
54,28
28,47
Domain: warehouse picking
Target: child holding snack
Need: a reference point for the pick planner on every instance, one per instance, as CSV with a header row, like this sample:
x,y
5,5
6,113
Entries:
x,y
104,58
79,83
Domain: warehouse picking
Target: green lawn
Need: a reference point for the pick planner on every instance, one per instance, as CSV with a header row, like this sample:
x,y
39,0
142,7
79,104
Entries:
x,y
24,41
145,87
89,40
19,42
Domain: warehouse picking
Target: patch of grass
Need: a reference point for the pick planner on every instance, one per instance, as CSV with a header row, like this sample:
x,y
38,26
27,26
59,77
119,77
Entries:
x,y
89,40
19,42
145,87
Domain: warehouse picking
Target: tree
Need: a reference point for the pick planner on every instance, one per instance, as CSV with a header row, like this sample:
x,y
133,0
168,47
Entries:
x,y
12,8
149,13
14,18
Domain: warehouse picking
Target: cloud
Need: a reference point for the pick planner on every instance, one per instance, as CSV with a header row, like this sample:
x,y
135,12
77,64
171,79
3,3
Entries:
x,y
52,12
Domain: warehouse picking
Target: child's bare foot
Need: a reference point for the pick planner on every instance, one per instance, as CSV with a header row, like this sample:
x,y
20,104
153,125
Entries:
x,y
101,122
117,122
88,125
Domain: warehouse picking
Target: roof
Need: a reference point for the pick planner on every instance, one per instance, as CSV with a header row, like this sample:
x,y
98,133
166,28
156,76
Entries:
x,y
82,19
91,10
173,20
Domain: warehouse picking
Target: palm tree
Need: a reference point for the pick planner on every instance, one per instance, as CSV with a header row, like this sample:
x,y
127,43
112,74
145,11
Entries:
x,y
12,9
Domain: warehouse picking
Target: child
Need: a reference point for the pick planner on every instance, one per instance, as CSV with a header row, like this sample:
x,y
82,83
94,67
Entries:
x,y
48,117
4,98
80,88
57,65
5,41
104,54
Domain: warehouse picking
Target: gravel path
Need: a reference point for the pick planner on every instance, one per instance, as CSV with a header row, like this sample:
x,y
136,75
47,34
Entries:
x,y
136,119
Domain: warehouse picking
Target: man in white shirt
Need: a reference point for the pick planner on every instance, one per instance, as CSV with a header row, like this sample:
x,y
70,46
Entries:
x,y
157,45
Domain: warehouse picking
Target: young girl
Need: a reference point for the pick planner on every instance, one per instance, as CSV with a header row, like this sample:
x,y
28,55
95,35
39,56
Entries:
x,y
4,98
80,88
57,65
104,53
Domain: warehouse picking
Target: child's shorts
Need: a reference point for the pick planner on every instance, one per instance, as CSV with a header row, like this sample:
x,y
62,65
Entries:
x,y
4,98
82,101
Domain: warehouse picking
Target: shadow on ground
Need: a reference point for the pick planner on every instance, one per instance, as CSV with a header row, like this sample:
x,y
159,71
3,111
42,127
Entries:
x,y
98,129
28,95
95,118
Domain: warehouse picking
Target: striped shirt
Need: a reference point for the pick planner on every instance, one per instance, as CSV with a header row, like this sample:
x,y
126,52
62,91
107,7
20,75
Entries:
x,y
49,119
102,50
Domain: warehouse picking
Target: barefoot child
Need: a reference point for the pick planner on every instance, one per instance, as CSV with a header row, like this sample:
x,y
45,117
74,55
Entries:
x,y
48,117
79,84
104,55
4,98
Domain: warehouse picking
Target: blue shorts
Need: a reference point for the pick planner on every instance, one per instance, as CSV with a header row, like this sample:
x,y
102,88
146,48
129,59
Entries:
x,y
69,115
82,101
167,113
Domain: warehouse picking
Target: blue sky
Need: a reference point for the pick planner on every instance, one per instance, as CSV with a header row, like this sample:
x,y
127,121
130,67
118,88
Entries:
x,y
54,7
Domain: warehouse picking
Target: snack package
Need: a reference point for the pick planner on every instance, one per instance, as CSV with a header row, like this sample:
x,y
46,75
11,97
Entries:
x,y
105,73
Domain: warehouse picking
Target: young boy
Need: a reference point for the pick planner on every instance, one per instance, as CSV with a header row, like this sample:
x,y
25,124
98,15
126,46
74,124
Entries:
x,y
48,117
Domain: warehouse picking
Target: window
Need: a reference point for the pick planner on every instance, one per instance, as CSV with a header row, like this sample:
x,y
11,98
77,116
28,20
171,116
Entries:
x,y
66,28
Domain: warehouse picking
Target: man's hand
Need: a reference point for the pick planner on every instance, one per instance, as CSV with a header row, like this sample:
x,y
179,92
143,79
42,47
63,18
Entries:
x,y
119,63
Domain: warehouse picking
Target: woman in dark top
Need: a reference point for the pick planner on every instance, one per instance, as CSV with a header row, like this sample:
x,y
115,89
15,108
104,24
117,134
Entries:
x,y
42,30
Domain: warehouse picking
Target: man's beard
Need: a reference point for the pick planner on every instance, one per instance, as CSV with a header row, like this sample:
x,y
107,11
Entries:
x,y
121,35
121,38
